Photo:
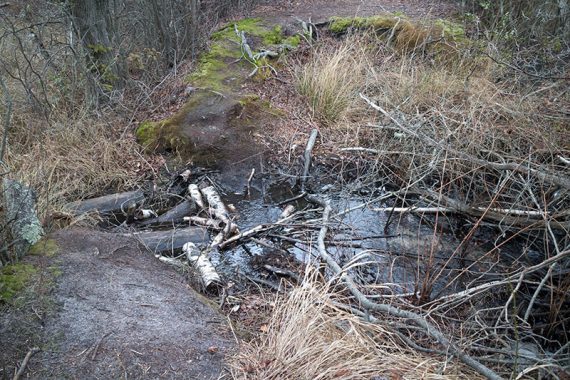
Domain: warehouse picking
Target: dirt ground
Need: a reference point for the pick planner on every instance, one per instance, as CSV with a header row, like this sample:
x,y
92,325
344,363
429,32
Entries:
x,y
287,12
117,312
120,313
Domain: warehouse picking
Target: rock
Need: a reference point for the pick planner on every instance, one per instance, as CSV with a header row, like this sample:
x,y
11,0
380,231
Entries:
x,y
24,227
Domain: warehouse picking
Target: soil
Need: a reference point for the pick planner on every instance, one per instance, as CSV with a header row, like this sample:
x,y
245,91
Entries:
x,y
117,312
288,12
120,313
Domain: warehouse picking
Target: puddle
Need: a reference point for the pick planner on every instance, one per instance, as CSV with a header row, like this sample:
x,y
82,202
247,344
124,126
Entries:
x,y
399,258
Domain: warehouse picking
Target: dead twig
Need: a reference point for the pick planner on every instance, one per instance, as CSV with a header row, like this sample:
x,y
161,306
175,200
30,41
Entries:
x,y
363,300
25,362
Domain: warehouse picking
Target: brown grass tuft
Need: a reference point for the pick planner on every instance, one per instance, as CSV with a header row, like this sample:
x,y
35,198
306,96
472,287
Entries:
x,y
330,80
310,338
71,160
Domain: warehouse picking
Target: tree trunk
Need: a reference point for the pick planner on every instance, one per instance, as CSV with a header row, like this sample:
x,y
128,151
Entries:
x,y
95,28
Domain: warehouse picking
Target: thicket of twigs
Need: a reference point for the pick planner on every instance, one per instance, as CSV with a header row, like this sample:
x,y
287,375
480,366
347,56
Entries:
x,y
471,137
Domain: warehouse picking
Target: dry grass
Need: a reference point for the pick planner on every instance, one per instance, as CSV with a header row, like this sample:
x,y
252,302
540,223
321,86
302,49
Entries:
x,y
331,79
309,338
459,115
71,160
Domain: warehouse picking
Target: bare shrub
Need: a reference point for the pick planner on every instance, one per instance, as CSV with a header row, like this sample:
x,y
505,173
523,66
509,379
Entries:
x,y
470,137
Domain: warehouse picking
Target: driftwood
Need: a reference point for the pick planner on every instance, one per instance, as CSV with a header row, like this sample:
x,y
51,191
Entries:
x,y
200,261
20,215
217,208
120,203
196,195
287,211
205,222
173,216
171,241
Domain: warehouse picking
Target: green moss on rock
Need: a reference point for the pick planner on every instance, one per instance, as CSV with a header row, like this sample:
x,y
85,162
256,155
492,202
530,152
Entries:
x,y
450,29
45,247
441,37
14,278
146,133
341,25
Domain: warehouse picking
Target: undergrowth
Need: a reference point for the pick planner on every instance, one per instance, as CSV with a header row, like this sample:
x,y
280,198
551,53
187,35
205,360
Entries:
x,y
460,134
311,337
71,159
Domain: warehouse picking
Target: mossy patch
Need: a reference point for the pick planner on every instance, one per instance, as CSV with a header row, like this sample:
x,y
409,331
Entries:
x,y
443,37
14,278
450,29
45,247
205,122
340,25
224,66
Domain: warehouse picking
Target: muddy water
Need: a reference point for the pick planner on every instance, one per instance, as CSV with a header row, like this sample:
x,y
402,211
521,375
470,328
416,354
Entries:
x,y
401,257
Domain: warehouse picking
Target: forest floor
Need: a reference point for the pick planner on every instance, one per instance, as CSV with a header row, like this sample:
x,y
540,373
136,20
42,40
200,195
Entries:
x,y
115,311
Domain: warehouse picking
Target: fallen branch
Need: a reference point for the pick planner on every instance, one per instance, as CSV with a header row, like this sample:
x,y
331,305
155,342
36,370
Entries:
x,y
297,197
542,174
217,207
363,300
205,222
242,235
25,362
196,195
201,262
307,156
171,241
120,203
173,216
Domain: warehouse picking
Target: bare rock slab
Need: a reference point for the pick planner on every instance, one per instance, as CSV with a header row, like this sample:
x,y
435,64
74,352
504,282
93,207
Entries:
x,y
123,314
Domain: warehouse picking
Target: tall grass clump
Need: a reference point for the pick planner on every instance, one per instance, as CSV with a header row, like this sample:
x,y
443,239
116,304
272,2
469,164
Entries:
x,y
330,80
71,160
309,337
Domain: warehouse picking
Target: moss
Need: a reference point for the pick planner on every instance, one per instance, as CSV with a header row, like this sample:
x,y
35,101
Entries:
x,y
14,278
408,35
45,247
248,99
450,29
274,36
146,133
219,75
55,272
292,41
340,25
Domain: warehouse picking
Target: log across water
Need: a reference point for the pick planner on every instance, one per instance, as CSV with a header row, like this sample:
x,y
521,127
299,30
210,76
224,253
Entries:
x,y
172,241
109,204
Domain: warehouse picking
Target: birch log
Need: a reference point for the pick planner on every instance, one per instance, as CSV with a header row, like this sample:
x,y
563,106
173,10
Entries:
x,y
201,262
196,195
218,209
